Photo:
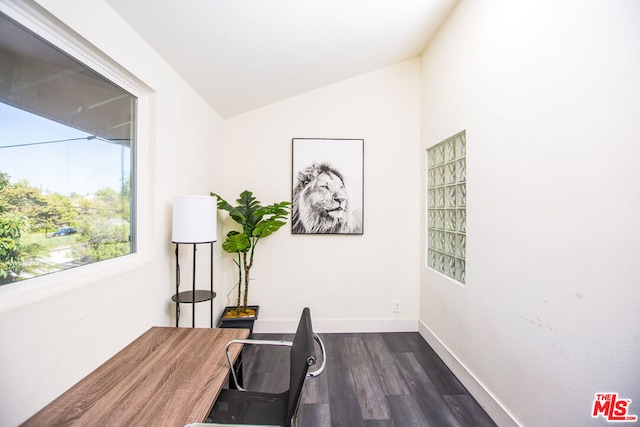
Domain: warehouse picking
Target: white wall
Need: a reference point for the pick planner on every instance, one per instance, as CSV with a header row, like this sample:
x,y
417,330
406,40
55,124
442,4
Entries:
x,y
349,282
51,341
548,93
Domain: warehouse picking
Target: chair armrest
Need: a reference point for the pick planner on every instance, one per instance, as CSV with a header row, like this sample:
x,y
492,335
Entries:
x,y
318,371
250,342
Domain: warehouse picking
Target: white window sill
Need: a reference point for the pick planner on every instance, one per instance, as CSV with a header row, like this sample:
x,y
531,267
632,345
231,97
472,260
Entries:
x,y
19,294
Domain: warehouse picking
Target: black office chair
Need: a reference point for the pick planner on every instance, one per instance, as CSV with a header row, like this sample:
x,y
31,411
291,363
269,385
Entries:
x,y
242,407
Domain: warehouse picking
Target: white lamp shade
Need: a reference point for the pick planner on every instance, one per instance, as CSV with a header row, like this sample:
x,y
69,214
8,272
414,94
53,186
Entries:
x,y
194,219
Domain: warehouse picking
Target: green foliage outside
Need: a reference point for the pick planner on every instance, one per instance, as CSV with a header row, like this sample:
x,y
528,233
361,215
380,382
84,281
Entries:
x,y
101,240
11,255
28,218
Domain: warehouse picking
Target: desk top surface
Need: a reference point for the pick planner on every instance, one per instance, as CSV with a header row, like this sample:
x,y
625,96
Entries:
x,y
166,377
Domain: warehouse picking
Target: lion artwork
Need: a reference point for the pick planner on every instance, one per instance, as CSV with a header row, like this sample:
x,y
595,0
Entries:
x,y
321,203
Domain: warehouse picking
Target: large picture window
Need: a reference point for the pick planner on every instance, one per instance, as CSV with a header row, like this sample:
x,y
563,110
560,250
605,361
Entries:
x,y
67,151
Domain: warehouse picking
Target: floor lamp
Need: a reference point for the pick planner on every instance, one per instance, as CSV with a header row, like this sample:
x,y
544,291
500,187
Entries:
x,y
194,223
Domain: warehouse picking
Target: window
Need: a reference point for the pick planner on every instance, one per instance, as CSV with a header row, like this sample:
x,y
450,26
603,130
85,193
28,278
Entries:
x,y
67,151
447,206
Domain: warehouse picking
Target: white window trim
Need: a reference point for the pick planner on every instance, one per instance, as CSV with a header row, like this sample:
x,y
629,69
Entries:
x,y
45,25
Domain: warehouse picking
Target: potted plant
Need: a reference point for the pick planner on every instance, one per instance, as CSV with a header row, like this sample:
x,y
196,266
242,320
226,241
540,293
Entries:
x,y
257,222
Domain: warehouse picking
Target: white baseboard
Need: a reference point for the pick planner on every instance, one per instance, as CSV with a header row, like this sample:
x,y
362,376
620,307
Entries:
x,y
337,326
495,410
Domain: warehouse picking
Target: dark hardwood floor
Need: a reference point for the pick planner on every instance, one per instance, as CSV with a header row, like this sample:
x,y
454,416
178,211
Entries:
x,y
372,379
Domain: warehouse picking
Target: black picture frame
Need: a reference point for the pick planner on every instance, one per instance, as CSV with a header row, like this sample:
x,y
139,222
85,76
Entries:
x,y
327,186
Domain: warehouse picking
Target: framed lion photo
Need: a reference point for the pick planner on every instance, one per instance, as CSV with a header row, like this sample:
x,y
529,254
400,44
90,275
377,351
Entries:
x,y
327,186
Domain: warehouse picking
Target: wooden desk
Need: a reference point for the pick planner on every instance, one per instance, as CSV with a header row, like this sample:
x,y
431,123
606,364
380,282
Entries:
x,y
166,377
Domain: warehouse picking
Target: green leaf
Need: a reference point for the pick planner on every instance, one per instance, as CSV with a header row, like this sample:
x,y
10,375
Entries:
x,y
236,242
266,228
226,206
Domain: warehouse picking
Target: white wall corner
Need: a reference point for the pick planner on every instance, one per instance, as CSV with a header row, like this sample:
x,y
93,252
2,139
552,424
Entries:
x,y
488,402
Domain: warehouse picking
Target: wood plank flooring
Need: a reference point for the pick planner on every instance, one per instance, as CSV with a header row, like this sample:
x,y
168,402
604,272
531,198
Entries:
x,y
371,380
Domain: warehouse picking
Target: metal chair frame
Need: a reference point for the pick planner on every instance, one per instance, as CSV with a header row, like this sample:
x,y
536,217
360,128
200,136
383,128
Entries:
x,y
311,360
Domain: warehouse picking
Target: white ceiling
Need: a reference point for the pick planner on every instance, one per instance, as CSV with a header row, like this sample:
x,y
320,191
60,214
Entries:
x,y
244,54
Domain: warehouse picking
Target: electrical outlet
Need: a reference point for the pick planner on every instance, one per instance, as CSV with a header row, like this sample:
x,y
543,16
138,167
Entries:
x,y
397,305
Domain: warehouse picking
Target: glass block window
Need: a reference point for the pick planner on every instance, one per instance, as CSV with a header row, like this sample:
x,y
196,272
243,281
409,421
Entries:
x,y
447,206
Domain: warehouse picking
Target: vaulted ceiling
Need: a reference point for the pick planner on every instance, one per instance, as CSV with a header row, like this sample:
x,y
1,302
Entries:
x,y
244,54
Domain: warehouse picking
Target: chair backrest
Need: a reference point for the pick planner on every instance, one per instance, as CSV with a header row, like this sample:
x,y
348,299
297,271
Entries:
x,y
302,356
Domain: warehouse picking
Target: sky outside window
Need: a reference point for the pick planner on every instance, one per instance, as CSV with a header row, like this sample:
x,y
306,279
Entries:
x,y
63,161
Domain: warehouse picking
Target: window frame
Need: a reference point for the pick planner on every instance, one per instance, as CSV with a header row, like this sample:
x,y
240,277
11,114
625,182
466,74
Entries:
x,y
43,24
